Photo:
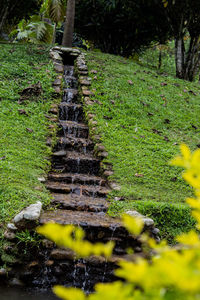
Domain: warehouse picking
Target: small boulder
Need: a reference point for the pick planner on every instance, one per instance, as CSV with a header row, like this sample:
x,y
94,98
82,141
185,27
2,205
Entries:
x,y
9,235
114,186
55,55
29,216
134,213
15,282
58,68
147,221
57,82
3,272
11,227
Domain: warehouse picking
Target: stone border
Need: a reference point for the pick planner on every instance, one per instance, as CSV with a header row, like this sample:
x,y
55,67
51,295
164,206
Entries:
x,y
100,151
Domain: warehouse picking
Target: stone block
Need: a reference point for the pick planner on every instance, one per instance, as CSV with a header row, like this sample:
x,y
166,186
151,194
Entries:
x,y
29,216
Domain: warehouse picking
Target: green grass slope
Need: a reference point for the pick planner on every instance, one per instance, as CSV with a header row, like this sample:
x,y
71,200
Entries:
x,y
142,118
23,151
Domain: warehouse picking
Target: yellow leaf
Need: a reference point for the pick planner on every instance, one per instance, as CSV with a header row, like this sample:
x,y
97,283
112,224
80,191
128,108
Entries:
x,y
133,224
69,293
72,237
189,239
177,161
185,151
193,202
193,178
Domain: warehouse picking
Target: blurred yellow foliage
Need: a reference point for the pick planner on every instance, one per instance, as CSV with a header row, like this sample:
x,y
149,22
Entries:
x,y
172,273
72,237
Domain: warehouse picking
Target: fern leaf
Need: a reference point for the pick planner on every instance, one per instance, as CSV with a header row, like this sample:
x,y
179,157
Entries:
x,y
56,9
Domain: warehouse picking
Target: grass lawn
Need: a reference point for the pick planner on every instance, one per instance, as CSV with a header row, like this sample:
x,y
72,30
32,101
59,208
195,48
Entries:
x,y
142,117
24,127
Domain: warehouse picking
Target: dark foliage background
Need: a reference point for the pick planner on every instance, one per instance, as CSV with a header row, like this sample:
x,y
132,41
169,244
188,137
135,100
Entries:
x,y
12,11
119,26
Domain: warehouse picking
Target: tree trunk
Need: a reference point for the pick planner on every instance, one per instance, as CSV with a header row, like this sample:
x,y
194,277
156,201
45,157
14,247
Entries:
x,y
179,57
5,12
193,59
69,24
3,17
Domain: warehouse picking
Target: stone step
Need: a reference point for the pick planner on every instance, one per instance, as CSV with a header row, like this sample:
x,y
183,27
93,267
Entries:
x,y
70,95
78,144
59,154
69,77
71,112
77,189
75,162
60,254
68,70
70,82
98,227
73,129
77,178
83,203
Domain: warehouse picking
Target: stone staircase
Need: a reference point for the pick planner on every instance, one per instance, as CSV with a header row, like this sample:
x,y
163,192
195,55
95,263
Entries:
x,y
79,193
74,179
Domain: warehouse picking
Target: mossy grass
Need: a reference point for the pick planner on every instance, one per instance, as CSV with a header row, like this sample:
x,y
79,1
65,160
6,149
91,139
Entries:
x,y
143,115
172,219
24,156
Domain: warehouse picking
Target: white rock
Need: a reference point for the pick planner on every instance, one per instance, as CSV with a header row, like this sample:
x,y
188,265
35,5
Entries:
x,y
3,272
156,231
31,213
74,54
55,55
18,217
56,48
148,221
115,186
134,213
69,50
11,227
75,51
41,179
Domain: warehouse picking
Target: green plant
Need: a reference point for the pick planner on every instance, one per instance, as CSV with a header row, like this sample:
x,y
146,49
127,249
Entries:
x,y
41,28
34,30
54,9
28,238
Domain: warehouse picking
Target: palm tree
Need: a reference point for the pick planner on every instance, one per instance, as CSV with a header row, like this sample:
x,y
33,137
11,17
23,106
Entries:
x,y
69,24
55,10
